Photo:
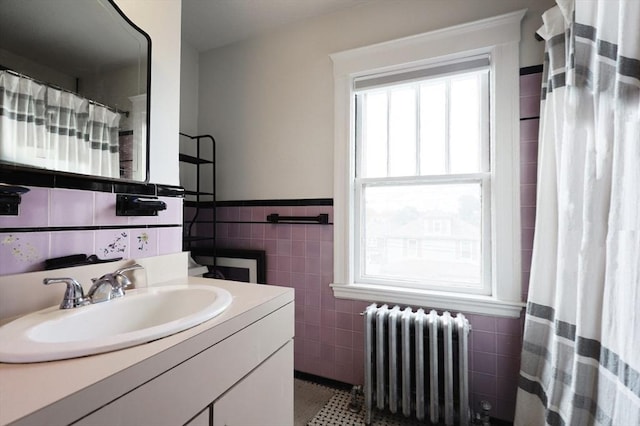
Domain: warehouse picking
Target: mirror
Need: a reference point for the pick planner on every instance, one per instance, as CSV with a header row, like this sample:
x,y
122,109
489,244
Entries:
x,y
74,89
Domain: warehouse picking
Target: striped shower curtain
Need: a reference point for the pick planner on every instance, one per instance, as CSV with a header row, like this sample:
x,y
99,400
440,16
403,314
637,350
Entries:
x,y
49,128
67,116
101,135
22,120
581,349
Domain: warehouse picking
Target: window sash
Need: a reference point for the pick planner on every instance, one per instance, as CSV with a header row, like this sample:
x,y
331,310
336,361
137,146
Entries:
x,y
483,116
483,179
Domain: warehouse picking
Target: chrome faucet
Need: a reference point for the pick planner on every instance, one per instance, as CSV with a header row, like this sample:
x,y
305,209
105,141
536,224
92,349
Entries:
x,y
73,296
110,286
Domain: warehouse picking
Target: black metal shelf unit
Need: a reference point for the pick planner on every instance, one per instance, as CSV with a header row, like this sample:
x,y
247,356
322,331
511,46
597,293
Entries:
x,y
199,199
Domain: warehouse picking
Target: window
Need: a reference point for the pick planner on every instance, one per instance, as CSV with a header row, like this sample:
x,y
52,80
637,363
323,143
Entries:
x,y
422,157
426,199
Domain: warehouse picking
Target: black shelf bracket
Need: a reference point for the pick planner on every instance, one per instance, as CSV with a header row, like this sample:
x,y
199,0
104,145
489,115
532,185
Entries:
x,y
202,199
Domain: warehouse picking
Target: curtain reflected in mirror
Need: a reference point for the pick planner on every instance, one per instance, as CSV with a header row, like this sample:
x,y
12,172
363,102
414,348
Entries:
x,y
74,79
52,129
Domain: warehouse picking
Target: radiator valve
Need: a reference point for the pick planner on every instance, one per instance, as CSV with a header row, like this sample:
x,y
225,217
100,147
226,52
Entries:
x,y
482,418
355,404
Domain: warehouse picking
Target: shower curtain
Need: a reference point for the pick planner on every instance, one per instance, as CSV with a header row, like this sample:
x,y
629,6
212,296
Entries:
x,y
22,118
50,128
581,349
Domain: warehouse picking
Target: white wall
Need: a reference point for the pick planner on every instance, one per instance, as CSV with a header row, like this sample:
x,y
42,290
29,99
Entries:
x,y
269,100
36,70
161,20
189,70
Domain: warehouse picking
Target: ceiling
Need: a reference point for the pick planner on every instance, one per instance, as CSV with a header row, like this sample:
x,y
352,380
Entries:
x,y
207,24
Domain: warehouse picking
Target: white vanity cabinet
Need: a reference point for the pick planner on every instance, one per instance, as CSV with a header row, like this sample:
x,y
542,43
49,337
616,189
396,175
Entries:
x,y
235,369
248,377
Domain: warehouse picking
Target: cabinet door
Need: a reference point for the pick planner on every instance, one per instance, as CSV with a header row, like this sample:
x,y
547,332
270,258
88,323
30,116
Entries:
x,y
263,398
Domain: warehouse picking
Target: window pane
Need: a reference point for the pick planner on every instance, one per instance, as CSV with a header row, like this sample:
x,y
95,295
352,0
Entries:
x,y
432,128
465,129
374,135
402,132
424,233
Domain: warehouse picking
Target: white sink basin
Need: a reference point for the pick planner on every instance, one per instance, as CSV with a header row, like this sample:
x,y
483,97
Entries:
x,y
140,316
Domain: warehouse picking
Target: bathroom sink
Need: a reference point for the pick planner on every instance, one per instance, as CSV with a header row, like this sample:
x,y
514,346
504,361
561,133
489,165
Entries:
x,y
141,316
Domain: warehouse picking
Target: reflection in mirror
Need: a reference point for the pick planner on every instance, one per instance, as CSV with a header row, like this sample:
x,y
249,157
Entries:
x,y
74,78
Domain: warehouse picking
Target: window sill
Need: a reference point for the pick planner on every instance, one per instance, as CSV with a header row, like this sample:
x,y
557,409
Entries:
x,y
466,303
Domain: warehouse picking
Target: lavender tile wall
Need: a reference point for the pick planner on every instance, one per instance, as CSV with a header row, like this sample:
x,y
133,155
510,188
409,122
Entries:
x,y
80,241
169,240
329,338
529,89
112,243
37,216
43,208
69,207
23,251
329,331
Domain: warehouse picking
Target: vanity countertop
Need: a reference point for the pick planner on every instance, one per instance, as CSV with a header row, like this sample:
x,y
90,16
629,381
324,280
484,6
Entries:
x,y
77,383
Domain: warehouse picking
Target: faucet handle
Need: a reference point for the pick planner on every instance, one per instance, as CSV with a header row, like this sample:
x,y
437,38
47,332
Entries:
x,y
122,279
73,296
111,285
128,268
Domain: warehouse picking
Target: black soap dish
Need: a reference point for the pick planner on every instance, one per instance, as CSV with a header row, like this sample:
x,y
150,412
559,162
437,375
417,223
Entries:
x,y
75,260
10,197
133,205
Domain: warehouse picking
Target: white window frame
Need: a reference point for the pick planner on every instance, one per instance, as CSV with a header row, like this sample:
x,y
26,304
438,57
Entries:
x,y
498,37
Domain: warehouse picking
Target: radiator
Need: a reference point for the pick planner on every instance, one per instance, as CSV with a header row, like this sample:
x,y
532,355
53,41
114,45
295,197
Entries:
x,y
417,364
